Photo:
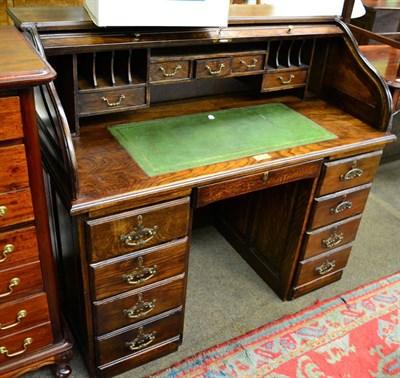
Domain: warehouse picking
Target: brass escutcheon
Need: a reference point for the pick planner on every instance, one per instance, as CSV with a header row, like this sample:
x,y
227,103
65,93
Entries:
x,y
325,268
140,274
142,340
140,234
3,211
141,308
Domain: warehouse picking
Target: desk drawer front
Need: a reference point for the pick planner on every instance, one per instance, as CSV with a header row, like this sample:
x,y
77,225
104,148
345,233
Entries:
x,y
323,265
20,281
139,339
230,188
337,206
170,71
18,247
138,269
111,100
126,232
283,79
10,118
133,307
25,343
346,173
330,237
15,207
247,63
206,68
13,168
21,314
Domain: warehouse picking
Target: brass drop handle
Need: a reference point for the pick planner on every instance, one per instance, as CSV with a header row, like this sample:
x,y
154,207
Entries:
x,y
353,173
288,81
216,72
20,315
28,341
250,65
333,240
140,309
342,206
166,74
3,211
8,248
111,104
140,274
140,234
142,340
13,282
325,268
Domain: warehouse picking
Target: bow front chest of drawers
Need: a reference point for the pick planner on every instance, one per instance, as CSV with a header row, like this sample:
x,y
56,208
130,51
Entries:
x,y
32,333
122,217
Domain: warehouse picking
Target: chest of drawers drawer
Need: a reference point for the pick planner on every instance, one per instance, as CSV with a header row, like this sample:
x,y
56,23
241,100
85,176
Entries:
x,y
169,71
13,168
131,307
334,207
15,207
10,116
346,173
140,339
138,269
218,67
330,237
24,313
133,230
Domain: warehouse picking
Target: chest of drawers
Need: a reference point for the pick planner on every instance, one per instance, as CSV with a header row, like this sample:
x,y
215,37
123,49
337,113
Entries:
x,y
32,333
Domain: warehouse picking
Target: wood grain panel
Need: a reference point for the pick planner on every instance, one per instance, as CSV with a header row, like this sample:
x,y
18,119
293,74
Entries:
x,y
10,118
19,207
13,168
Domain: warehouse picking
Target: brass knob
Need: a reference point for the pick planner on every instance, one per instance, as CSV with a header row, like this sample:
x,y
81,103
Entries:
x,y
3,211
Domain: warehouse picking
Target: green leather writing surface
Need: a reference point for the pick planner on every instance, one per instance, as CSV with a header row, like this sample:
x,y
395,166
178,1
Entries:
x,y
176,143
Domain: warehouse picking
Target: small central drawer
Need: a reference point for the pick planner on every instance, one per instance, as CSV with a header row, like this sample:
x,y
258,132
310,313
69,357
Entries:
x,y
169,71
98,101
132,230
138,269
136,305
139,339
248,63
218,67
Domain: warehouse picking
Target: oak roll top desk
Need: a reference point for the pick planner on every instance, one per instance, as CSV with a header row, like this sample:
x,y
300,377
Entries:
x,y
123,234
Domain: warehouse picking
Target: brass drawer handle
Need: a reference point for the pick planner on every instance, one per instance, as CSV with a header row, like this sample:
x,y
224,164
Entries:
x,y
333,240
325,268
13,282
140,234
254,65
342,206
288,81
216,72
8,248
140,308
141,273
3,211
166,74
353,173
20,315
142,340
111,104
28,341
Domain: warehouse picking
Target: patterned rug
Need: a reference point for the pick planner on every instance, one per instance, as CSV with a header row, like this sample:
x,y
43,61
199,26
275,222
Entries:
x,y
356,334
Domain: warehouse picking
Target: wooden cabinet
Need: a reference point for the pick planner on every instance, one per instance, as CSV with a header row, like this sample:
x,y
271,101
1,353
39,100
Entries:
x,y
123,234
32,332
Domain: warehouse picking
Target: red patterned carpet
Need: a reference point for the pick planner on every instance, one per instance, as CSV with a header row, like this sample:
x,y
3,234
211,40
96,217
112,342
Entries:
x,y
353,335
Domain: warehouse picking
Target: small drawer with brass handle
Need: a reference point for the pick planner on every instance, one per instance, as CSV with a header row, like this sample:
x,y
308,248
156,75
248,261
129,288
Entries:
x,y
169,71
15,345
139,304
282,79
331,236
132,230
20,280
23,313
219,67
18,247
136,339
135,270
248,63
323,265
350,172
10,115
100,101
15,207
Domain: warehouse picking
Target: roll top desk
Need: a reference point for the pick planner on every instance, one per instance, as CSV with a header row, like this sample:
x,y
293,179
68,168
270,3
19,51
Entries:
x,y
123,236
